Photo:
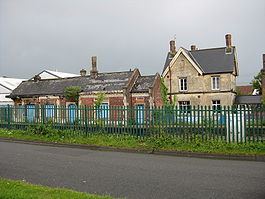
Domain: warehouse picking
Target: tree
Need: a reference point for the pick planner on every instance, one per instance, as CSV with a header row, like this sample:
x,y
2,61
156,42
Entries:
x,y
71,93
257,82
164,92
100,98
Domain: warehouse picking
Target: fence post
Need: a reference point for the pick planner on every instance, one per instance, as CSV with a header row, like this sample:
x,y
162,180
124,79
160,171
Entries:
x,y
42,114
8,117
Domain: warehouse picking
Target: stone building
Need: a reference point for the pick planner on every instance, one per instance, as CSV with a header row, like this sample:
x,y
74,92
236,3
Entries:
x,y
202,77
126,88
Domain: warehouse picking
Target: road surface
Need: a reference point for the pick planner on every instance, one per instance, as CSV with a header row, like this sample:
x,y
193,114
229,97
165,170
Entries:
x,y
132,175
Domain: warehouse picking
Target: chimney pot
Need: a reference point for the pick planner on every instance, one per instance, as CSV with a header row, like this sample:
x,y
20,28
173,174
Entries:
x,y
36,78
228,40
172,47
83,72
94,71
193,47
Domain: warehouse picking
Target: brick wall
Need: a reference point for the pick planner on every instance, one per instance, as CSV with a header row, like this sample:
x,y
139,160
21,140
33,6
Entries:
x,y
116,101
130,84
86,101
140,100
156,92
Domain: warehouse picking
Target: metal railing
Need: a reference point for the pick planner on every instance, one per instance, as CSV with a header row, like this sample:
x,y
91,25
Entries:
x,y
232,124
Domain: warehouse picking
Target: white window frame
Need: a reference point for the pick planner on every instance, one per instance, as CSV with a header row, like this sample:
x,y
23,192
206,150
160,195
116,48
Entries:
x,y
215,82
185,106
182,84
215,104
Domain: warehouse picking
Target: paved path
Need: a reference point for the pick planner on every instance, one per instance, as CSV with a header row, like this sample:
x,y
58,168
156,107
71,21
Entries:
x,y
132,175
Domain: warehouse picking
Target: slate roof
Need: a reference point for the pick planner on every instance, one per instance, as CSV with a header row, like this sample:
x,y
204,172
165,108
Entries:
x,y
248,99
104,82
168,60
143,83
212,60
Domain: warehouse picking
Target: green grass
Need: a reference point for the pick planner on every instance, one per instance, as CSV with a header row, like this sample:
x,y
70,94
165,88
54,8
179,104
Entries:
x,y
13,189
164,142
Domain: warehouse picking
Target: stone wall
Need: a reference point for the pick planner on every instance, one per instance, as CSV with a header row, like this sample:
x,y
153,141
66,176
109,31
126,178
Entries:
x,y
199,86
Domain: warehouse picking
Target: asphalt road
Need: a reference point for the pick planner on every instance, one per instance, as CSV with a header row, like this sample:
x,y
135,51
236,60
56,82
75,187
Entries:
x,y
132,175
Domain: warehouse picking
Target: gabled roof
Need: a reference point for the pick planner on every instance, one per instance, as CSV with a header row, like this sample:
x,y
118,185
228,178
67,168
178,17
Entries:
x,y
185,52
62,74
215,60
10,83
143,83
55,74
168,60
212,60
106,82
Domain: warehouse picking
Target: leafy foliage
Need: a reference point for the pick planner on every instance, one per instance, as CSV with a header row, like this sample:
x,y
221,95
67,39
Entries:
x,y
72,93
100,98
164,95
156,141
164,92
257,82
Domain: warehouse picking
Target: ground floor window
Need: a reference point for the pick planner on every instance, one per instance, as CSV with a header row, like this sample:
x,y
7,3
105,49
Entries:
x,y
72,113
103,111
216,105
49,111
139,113
30,112
185,106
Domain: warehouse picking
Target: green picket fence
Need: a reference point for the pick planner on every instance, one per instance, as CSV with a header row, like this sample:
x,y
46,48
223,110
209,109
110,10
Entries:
x,y
232,124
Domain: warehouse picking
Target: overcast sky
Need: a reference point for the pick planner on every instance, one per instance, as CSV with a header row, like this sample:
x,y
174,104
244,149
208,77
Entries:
x,y
64,34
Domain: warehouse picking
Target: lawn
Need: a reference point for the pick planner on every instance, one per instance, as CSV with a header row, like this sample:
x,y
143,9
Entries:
x,y
13,189
163,142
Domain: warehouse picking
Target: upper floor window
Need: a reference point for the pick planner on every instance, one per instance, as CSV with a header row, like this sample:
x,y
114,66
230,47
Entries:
x,y
216,83
183,84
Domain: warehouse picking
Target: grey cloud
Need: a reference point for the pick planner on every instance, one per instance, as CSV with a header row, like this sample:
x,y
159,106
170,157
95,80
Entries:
x,y
63,34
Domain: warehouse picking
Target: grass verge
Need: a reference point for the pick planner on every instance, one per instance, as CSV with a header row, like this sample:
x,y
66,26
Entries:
x,y
13,189
163,142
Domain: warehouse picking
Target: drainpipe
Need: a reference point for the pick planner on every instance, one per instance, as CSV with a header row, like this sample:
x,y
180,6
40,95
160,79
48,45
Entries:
x,y
170,87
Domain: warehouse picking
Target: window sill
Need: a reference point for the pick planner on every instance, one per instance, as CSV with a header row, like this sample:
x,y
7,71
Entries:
x,y
183,91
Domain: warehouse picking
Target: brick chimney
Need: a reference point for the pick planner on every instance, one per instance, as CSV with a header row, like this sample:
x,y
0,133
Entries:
x,y
193,47
94,71
83,72
228,43
263,79
172,47
36,78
